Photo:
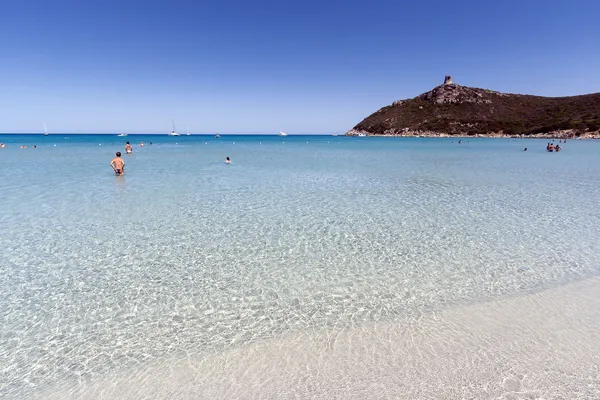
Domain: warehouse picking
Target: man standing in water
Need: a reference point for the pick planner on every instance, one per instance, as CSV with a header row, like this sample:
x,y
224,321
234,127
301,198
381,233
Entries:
x,y
118,164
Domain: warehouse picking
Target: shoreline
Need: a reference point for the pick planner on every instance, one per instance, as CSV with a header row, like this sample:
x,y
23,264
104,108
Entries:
x,y
428,134
536,345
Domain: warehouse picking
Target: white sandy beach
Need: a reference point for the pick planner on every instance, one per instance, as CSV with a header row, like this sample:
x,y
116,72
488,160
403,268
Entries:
x,y
544,345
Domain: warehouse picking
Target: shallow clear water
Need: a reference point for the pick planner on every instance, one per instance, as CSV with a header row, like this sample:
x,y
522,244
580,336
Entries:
x,y
184,254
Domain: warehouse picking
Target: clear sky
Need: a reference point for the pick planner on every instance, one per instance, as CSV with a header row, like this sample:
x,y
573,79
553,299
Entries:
x,y
264,66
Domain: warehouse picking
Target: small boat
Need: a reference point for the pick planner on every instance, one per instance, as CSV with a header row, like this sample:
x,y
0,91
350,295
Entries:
x,y
217,136
334,134
173,132
122,134
361,135
187,133
282,134
45,130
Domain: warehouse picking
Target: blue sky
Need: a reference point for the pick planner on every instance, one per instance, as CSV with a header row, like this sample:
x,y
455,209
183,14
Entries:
x,y
299,66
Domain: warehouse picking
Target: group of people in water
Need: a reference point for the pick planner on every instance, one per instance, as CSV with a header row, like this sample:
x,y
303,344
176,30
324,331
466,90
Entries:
x,y
551,147
129,149
3,146
118,164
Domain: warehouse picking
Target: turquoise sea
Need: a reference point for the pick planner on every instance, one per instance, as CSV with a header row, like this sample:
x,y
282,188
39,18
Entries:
x,y
184,256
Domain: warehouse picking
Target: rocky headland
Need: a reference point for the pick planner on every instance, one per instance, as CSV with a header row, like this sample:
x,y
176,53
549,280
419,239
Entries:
x,y
454,110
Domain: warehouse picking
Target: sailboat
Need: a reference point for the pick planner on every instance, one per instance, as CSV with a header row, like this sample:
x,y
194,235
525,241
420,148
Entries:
x,y
45,130
173,133
282,133
187,133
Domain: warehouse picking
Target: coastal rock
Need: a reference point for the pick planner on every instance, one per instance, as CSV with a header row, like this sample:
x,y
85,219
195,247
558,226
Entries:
x,y
456,94
452,109
354,132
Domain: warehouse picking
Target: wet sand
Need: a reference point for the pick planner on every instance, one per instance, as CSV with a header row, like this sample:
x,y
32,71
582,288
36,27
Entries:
x,y
544,345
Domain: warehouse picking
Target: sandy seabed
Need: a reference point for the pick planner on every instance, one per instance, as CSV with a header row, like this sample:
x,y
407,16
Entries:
x,y
544,345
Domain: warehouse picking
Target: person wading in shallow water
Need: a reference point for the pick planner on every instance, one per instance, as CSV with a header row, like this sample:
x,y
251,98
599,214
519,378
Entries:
x,y
118,164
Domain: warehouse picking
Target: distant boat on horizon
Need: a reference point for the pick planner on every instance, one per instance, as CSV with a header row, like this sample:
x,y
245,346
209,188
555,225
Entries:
x,y
122,134
282,133
45,130
217,136
187,133
173,132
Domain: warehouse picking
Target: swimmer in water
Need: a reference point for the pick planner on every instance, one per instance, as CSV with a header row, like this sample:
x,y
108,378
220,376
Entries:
x,y
525,149
142,144
227,160
128,148
118,164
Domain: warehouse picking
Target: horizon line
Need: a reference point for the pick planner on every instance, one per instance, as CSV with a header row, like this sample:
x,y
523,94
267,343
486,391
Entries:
x,y
166,134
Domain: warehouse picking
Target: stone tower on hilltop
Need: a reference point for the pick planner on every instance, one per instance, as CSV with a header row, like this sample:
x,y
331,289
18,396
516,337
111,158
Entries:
x,y
447,80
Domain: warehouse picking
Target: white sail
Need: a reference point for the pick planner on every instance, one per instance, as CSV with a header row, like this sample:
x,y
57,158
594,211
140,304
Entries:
x,y
45,130
173,132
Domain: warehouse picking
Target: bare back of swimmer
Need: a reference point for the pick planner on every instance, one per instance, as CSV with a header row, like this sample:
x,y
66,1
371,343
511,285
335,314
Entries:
x,y
118,164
